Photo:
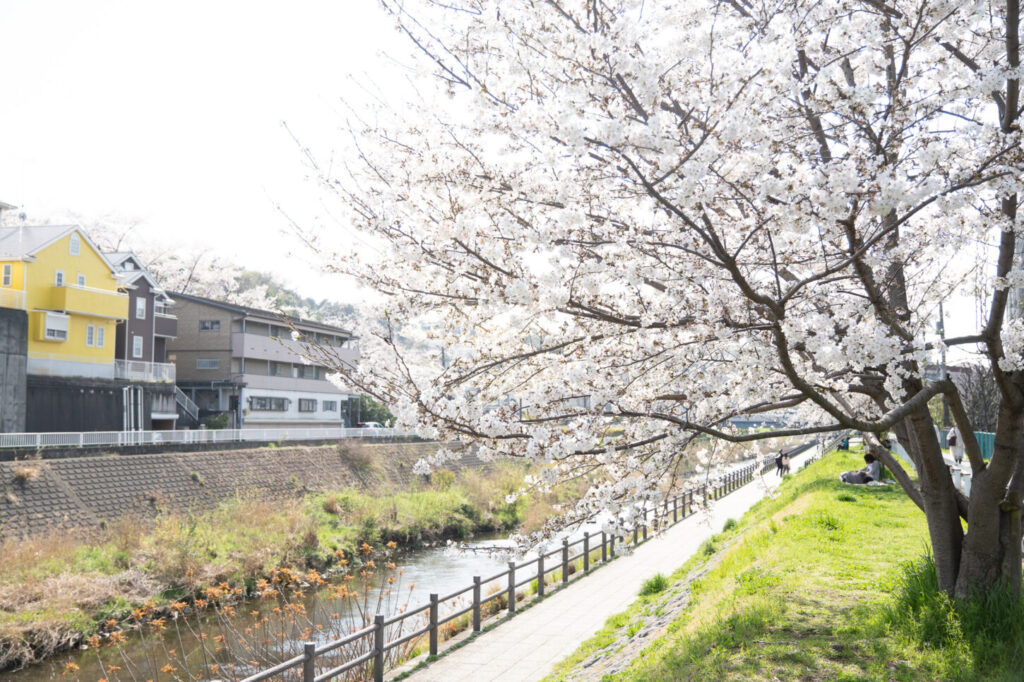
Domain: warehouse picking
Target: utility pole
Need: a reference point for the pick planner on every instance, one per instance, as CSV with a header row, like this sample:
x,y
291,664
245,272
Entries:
x,y
942,365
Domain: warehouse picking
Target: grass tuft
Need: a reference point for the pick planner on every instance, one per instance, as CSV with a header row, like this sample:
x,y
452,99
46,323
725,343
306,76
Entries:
x,y
653,585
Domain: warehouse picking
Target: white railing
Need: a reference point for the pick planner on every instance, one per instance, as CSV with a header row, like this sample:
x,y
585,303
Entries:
x,y
12,298
120,438
137,370
191,409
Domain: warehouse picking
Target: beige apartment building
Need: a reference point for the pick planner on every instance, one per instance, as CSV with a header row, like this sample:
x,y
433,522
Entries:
x,y
243,362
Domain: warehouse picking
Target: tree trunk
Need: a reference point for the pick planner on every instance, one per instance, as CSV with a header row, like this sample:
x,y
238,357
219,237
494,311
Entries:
x,y
940,507
992,549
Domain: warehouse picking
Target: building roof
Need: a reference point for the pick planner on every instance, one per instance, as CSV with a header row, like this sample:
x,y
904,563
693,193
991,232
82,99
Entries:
x,y
128,277
248,311
18,242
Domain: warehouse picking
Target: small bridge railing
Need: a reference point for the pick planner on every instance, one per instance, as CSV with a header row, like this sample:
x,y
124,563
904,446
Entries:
x,y
591,548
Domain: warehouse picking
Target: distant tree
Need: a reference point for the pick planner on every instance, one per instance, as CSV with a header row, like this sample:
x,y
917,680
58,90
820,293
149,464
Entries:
x,y
372,411
981,396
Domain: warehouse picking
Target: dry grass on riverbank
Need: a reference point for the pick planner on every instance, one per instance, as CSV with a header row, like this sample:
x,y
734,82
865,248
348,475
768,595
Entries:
x,y
56,589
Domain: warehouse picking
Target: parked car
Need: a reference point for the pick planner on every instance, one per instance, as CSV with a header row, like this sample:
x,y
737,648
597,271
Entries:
x,y
371,425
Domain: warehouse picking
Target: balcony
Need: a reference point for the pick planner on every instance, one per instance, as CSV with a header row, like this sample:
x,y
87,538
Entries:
x,y
89,301
12,298
281,350
165,324
285,383
137,370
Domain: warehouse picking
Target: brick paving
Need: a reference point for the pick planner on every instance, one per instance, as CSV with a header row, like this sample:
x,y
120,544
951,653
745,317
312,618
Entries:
x,y
529,645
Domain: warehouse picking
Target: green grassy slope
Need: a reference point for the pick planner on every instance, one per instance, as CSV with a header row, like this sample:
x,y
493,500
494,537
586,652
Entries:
x,y
803,588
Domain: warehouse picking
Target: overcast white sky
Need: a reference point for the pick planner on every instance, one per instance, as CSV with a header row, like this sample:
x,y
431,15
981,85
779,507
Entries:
x,y
170,114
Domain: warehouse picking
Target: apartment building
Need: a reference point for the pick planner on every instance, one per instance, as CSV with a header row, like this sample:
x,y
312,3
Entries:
x,y
242,361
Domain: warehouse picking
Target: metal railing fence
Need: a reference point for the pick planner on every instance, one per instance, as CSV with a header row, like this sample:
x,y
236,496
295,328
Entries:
x,y
188,437
187,404
138,370
668,513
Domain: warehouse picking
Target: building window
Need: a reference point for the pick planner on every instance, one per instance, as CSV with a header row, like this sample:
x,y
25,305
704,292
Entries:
x,y
262,404
209,325
140,308
90,335
307,405
8,275
74,245
55,326
136,346
100,333
330,406
207,363
58,278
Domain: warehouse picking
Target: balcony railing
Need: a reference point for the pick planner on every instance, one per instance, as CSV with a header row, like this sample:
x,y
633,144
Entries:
x,y
137,370
12,298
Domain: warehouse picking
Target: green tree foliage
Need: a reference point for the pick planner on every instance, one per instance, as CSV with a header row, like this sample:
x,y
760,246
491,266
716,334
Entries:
x,y
372,411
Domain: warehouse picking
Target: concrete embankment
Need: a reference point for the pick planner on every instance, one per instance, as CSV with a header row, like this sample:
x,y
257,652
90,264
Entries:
x,y
39,495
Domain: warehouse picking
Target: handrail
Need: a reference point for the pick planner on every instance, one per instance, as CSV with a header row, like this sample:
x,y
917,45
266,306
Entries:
x,y
682,505
78,439
187,404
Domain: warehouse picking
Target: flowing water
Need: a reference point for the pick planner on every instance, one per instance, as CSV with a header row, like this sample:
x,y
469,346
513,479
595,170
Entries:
x,y
432,569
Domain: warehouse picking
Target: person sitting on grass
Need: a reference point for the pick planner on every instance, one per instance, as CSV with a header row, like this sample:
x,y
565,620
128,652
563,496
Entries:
x,y
872,472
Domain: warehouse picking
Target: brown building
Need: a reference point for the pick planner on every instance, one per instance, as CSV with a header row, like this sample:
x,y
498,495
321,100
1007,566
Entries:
x,y
242,362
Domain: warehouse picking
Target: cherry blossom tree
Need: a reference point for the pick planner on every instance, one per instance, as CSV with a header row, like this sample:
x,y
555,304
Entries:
x,y
671,214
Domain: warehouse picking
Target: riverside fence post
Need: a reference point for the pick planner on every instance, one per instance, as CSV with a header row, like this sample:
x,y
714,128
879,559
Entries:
x,y
540,575
476,603
565,561
309,663
433,624
511,587
586,552
378,648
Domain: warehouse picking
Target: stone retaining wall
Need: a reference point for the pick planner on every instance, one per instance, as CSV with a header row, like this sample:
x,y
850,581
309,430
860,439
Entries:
x,y
37,495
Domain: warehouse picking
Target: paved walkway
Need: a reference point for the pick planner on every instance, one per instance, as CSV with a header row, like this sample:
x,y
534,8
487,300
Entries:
x,y
528,646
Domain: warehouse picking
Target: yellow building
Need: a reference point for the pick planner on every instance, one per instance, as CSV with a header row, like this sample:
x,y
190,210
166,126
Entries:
x,y
69,291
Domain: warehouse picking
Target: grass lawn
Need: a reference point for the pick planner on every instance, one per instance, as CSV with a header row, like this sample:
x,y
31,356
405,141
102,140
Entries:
x,y
815,584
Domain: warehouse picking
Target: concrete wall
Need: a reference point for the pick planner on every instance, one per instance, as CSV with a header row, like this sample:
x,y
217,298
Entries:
x,y
38,495
13,362
76,404
73,404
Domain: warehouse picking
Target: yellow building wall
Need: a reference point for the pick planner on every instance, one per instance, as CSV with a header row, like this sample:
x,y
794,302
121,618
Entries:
x,y
100,298
17,273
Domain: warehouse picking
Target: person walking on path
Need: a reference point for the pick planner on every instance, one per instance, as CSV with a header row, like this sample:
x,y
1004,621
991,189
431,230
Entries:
x,y
956,445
